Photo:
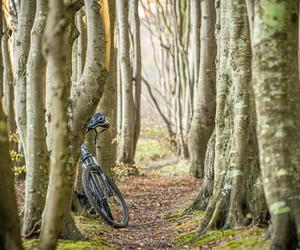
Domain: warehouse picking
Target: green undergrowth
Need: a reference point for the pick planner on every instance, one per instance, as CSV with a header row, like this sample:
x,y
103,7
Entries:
x,y
246,238
187,224
151,149
153,143
71,245
91,227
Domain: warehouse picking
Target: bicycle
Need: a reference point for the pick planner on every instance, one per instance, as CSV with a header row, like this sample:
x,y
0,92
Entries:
x,y
101,192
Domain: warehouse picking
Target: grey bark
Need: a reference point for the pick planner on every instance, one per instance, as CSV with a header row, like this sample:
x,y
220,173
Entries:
x,y
8,88
205,101
22,45
126,146
37,159
137,68
58,190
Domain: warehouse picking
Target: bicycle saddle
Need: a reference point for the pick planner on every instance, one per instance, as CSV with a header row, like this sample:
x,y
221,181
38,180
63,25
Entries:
x,y
98,120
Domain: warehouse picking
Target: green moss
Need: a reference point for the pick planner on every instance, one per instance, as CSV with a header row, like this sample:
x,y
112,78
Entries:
x,y
71,245
91,226
275,13
250,239
246,238
193,238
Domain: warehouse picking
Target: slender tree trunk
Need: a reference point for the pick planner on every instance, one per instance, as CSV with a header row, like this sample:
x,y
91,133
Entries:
x,y
22,45
126,148
205,104
36,160
195,40
237,189
58,190
8,87
9,230
277,92
137,68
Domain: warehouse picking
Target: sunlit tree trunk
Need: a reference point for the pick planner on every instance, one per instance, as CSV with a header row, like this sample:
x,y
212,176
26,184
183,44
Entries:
x,y
58,191
36,160
277,93
106,155
205,104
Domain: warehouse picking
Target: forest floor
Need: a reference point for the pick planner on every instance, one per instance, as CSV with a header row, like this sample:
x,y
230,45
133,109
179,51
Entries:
x,y
157,198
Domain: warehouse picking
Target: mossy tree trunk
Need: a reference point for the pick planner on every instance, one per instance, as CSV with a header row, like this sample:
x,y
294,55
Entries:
x,y
205,105
237,197
9,230
277,93
37,159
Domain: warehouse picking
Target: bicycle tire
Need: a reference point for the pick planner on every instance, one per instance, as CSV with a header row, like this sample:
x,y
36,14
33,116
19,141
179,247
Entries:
x,y
105,210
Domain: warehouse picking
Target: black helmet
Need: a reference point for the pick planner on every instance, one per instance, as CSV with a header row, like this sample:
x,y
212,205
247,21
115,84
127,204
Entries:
x,y
98,120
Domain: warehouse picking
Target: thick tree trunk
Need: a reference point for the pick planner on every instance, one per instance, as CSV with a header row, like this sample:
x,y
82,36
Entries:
x,y
205,104
126,146
277,94
106,155
86,95
58,189
237,197
36,160
22,44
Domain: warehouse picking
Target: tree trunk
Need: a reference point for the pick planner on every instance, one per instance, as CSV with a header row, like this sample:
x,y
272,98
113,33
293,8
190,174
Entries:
x,y
126,146
137,68
205,104
36,160
22,45
195,40
9,230
86,95
106,155
237,197
58,189
277,93
8,87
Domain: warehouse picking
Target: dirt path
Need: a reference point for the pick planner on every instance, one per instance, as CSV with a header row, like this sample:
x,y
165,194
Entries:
x,y
151,199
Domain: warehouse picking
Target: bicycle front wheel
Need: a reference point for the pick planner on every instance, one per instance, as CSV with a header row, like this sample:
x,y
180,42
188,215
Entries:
x,y
105,197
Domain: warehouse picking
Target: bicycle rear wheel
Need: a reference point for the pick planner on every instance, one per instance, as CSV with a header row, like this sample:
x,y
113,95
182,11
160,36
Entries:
x,y
105,197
